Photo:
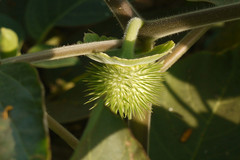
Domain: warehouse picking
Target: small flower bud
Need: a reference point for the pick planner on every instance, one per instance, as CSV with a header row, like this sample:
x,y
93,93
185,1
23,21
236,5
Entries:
x,y
8,43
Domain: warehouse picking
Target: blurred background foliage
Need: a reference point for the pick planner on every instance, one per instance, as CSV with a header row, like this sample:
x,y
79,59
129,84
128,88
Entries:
x,y
199,117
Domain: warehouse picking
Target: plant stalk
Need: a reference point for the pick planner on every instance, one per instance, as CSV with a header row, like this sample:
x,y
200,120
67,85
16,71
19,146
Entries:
x,y
170,25
130,38
62,132
150,30
141,129
182,47
122,10
64,52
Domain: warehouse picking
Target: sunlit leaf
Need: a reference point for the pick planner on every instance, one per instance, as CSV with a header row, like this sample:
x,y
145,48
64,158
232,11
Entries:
x,y
106,137
201,108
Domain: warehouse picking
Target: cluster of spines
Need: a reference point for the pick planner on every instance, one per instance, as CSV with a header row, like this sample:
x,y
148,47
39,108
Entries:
x,y
127,90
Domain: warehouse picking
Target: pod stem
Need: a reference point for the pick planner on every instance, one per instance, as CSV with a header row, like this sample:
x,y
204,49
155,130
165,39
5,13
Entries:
x,y
130,37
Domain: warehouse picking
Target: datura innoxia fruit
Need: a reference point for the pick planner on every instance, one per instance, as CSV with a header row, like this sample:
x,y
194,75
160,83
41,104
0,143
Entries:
x,y
128,86
127,90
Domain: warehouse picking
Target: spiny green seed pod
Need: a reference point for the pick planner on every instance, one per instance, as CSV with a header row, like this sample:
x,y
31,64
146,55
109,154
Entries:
x,y
128,84
127,90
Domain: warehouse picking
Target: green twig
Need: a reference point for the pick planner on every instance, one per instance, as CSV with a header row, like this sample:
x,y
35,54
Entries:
x,y
62,132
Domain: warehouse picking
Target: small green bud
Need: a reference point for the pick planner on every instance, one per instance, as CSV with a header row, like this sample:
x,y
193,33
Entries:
x,y
8,43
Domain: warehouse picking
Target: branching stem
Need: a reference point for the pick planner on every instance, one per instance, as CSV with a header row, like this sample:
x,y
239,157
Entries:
x,y
170,25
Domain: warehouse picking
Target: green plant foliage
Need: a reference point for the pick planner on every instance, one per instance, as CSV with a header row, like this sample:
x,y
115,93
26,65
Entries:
x,y
155,54
6,139
201,108
199,98
14,9
93,37
89,12
57,63
107,137
76,108
53,63
8,22
218,2
42,15
225,38
23,133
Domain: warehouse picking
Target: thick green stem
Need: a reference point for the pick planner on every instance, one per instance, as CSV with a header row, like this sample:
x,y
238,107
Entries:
x,y
62,132
130,38
170,25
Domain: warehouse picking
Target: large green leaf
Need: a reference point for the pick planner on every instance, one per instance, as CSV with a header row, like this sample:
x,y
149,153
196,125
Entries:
x,y
23,133
91,11
218,2
14,9
106,137
224,38
42,15
201,101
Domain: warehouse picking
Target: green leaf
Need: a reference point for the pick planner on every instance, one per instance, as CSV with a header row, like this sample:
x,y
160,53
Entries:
x,y
15,9
217,2
24,129
162,51
106,137
202,99
6,139
67,62
93,37
42,15
224,38
75,100
89,12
